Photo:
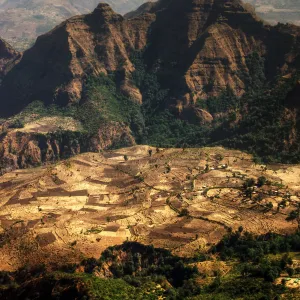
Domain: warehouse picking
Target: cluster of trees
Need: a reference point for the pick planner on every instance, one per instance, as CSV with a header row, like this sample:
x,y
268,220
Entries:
x,y
254,122
137,263
253,253
248,247
137,271
261,130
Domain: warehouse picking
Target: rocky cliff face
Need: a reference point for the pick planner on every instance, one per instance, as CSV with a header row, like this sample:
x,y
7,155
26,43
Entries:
x,y
54,70
198,48
22,149
8,57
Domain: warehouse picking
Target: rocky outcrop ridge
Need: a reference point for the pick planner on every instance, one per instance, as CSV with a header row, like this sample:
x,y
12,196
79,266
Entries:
x,y
20,149
55,68
8,57
198,47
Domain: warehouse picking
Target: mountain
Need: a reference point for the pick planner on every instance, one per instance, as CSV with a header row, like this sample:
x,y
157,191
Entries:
x,y
22,21
8,57
274,11
171,73
145,156
185,45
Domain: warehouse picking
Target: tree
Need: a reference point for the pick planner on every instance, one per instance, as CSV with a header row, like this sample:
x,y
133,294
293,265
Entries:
x,y
270,275
249,183
184,212
269,205
290,271
261,181
295,215
249,192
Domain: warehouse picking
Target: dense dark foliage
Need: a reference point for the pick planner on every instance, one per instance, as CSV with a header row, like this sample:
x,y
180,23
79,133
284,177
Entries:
x,y
253,253
255,122
136,271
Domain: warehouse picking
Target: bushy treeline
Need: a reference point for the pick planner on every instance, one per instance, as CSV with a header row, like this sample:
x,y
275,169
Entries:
x,y
254,252
256,122
133,271
136,271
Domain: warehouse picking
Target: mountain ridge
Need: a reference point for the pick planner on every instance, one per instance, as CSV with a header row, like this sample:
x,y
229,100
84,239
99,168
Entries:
x,y
209,55
21,21
193,68
8,57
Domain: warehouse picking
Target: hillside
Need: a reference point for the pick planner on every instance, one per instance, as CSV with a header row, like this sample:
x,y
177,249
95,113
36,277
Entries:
x,y
22,21
149,78
62,218
200,65
8,57
57,65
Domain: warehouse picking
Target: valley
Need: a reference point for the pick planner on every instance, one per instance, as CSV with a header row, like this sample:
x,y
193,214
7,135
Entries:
x,y
154,155
184,200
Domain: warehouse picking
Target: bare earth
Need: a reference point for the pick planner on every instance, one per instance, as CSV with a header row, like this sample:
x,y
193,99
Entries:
x,y
83,205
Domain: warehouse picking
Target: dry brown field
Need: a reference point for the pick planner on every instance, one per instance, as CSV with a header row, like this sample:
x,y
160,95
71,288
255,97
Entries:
x,y
184,200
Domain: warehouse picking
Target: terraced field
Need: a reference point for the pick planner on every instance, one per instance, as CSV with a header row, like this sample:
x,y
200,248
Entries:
x,y
180,199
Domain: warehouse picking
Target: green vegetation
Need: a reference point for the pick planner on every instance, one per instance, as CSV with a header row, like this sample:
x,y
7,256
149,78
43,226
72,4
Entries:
x,y
255,122
105,104
137,271
262,128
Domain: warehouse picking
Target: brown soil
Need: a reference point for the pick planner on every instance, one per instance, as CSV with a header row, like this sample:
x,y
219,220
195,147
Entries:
x,y
102,200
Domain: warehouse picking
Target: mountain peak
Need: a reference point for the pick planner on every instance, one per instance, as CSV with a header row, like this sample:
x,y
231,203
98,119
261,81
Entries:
x,y
104,12
102,8
7,57
6,51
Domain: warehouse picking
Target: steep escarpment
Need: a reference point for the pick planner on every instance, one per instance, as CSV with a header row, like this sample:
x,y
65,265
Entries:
x,y
204,47
170,60
33,146
8,57
54,70
197,48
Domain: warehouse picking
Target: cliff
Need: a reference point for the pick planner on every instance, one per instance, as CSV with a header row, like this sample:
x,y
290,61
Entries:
x,y
198,47
55,68
8,57
195,48
43,141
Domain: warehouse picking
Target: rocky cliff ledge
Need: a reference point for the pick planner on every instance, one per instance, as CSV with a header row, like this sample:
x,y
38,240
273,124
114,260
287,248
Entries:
x,y
197,46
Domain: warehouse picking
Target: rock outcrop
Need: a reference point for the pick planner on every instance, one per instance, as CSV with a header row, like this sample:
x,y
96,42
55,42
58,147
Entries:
x,y
8,57
20,149
55,68
198,47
